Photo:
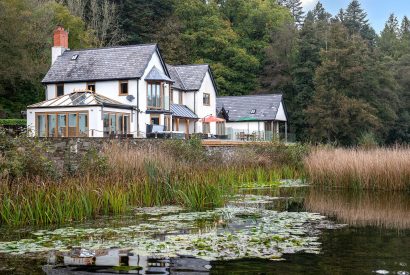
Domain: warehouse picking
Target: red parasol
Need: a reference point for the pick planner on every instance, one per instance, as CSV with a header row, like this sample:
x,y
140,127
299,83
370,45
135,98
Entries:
x,y
209,119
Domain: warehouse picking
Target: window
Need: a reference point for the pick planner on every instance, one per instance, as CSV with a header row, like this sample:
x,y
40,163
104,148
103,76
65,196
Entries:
x,y
207,99
167,120
206,129
41,126
91,86
154,95
154,119
59,89
62,124
171,95
180,97
220,128
74,57
123,87
116,124
253,111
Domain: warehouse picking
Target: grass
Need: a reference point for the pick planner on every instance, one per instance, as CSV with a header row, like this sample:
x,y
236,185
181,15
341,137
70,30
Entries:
x,y
122,176
380,168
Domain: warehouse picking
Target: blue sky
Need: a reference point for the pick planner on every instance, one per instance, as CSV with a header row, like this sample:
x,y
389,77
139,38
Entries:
x,y
377,10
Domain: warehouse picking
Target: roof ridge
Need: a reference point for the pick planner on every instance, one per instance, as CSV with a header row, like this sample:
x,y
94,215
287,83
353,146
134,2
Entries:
x,y
112,47
182,82
250,95
186,65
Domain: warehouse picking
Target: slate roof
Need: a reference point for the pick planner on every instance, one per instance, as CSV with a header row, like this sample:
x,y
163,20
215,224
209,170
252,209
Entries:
x,y
123,62
240,107
188,77
179,110
78,99
157,75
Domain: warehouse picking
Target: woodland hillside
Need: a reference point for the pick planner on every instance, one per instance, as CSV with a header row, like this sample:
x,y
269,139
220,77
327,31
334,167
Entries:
x,y
342,82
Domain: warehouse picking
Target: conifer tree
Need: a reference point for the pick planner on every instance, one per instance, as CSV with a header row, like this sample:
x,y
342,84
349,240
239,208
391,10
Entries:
x,y
296,9
354,18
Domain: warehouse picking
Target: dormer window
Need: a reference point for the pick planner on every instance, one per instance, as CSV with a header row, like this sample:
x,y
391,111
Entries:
x,y
91,86
60,89
124,87
253,111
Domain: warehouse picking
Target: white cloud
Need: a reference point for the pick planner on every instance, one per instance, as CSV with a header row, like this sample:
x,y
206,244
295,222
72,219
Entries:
x,y
308,4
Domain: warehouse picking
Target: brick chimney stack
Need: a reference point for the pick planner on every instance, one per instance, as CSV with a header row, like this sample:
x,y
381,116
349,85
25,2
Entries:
x,y
60,43
60,37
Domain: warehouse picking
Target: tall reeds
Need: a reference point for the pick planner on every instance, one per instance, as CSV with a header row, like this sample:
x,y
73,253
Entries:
x,y
122,176
381,168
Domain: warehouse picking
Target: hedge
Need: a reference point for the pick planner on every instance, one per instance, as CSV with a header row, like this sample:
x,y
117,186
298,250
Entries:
x,y
13,122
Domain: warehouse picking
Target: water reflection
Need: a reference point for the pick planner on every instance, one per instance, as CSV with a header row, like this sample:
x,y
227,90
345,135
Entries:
x,y
103,261
366,208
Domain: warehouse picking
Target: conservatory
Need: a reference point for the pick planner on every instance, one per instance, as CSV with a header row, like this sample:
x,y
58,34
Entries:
x,y
80,114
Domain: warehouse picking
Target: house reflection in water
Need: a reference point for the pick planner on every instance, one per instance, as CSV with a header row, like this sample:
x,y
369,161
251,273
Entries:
x,y
106,261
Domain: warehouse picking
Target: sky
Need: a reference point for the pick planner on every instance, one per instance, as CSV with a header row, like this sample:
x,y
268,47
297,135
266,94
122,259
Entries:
x,y
377,10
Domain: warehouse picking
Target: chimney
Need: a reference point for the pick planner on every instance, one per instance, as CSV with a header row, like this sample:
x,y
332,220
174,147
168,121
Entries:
x,y
60,43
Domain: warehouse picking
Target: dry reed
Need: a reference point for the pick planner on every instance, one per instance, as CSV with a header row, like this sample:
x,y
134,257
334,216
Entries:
x,y
382,168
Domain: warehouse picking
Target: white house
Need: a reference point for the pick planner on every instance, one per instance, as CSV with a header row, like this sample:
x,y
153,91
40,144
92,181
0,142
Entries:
x,y
120,91
257,117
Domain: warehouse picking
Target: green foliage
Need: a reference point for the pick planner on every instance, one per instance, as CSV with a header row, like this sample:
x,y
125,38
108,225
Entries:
x,y
24,157
13,122
368,141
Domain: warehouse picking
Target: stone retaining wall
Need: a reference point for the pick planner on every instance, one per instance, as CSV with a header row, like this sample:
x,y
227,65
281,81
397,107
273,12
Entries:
x,y
68,152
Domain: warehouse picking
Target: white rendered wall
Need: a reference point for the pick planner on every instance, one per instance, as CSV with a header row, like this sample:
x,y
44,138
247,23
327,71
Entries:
x,y
201,110
280,115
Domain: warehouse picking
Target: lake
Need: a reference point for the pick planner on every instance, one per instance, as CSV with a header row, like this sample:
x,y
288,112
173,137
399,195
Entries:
x,y
285,230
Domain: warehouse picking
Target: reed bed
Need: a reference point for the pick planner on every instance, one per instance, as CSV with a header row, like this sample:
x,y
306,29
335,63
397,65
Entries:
x,y
382,168
122,177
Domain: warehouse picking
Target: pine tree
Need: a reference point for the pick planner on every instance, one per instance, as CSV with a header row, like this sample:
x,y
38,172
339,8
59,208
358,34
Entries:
x,y
312,39
389,39
355,20
296,9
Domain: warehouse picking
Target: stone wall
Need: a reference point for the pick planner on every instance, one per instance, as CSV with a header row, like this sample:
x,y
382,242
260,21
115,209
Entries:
x,y
67,153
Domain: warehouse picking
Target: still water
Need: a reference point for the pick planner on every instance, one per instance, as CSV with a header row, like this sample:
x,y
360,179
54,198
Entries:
x,y
298,230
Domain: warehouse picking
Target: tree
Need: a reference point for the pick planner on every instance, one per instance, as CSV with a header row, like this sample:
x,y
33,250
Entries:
x,y
389,42
353,74
355,20
296,9
26,28
312,39
141,19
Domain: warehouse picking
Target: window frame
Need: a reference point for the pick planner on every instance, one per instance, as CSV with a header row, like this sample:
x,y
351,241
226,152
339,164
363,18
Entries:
x,y
155,116
56,89
208,127
120,92
208,102
66,131
128,124
161,95
91,84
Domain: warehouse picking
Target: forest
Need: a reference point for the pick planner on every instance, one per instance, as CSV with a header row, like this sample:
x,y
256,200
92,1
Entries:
x,y
342,82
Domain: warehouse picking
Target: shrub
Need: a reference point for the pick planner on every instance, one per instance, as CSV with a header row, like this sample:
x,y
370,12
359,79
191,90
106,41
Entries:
x,y
13,122
25,157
